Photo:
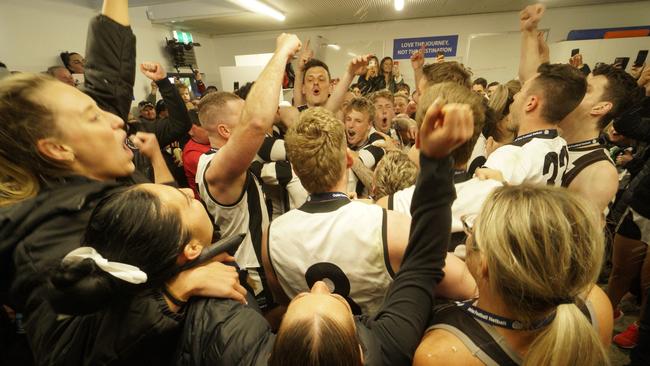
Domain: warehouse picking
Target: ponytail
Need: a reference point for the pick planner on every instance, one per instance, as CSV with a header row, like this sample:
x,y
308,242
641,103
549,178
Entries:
x,y
569,340
16,183
83,288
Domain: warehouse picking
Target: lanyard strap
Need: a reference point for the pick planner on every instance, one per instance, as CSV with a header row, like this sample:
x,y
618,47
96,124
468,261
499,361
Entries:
x,y
548,133
327,196
583,143
500,321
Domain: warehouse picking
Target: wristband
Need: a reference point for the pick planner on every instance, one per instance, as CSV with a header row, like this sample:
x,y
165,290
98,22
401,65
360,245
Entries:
x,y
176,301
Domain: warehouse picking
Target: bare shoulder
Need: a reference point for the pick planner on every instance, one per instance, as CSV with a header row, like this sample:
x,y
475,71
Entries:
x,y
604,313
440,347
598,183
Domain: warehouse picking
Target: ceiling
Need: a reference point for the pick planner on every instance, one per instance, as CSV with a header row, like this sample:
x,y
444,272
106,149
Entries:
x,y
219,17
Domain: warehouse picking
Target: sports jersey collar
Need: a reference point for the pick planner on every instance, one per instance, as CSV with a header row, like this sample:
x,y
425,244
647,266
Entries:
x,y
584,143
325,202
539,134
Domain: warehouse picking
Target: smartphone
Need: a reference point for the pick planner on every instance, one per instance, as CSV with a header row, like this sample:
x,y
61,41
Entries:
x,y
622,61
640,58
236,86
575,51
228,245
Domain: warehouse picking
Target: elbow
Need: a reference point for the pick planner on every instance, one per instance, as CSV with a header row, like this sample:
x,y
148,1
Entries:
x,y
258,125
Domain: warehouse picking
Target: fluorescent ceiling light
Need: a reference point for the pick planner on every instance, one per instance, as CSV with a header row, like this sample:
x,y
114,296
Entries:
x,y
399,5
260,8
334,46
352,54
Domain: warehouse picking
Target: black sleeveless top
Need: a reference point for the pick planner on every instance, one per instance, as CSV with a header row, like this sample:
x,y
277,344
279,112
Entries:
x,y
482,339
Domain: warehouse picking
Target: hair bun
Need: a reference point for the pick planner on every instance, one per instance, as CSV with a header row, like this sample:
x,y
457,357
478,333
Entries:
x,y
81,288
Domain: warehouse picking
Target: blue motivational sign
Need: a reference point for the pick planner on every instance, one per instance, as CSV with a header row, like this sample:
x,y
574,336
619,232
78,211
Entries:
x,y
403,48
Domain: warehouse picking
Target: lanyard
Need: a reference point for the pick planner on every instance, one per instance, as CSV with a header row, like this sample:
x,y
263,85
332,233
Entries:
x,y
583,143
500,321
550,133
327,196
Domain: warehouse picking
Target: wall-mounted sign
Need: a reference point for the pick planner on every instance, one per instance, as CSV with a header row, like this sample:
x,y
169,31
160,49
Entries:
x,y
403,48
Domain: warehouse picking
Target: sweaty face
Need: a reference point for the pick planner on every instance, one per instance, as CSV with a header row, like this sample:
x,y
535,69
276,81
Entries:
x,y
400,105
77,64
316,86
95,137
193,215
148,113
357,126
384,114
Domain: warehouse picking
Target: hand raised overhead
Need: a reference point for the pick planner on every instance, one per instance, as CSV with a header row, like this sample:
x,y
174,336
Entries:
x,y
444,128
153,70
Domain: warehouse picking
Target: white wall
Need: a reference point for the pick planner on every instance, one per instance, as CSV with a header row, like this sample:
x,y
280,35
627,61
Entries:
x,y
378,37
34,32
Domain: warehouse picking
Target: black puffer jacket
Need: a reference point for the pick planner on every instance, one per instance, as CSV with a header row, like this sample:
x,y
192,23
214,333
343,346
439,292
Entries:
x,y
224,332
37,233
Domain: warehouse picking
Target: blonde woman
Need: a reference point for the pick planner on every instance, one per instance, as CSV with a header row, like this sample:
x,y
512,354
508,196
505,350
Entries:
x,y
535,253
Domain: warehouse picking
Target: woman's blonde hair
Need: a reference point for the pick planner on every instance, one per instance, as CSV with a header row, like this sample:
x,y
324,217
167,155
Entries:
x,y
24,121
394,172
543,247
316,147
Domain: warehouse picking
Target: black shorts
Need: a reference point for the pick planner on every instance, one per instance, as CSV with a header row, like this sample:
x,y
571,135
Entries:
x,y
634,226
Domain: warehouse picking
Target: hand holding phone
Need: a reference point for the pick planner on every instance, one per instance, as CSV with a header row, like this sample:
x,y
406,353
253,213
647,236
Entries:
x,y
640,58
621,62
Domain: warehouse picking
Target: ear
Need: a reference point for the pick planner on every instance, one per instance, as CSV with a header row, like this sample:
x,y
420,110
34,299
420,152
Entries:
x,y
223,131
192,250
349,159
532,103
601,108
55,150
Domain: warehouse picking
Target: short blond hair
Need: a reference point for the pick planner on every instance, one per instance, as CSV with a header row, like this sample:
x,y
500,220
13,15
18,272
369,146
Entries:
x,y
383,93
362,105
394,172
451,92
316,147
212,104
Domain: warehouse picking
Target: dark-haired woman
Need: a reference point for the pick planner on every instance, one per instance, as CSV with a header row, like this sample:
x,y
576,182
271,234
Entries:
x,y
74,62
122,291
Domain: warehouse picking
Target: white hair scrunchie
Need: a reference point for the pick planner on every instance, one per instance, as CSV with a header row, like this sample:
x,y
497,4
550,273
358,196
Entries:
x,y
125,272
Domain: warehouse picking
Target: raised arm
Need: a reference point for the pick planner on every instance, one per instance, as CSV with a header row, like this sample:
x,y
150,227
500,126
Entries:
x,y
178,123
303,58
356,67
109,74
230,164
531,56
400,323
417,62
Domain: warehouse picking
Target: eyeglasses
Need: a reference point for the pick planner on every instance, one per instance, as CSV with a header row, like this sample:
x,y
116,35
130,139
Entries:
x,y
468,223
468,227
